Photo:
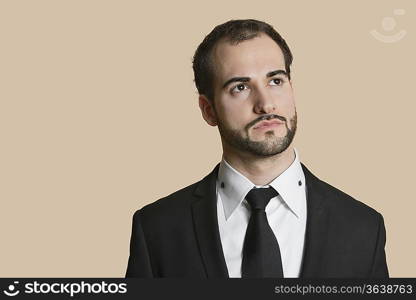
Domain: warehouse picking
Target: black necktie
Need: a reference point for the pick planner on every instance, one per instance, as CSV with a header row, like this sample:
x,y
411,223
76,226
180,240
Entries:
x,y
261,253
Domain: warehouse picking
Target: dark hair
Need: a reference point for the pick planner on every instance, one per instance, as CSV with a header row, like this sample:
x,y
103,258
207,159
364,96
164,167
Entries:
x,y
234,31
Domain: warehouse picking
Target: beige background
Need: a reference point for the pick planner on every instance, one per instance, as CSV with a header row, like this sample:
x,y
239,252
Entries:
x,y
99,116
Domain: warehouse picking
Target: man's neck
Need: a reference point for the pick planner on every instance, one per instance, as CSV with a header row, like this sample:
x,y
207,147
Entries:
x,y
260,170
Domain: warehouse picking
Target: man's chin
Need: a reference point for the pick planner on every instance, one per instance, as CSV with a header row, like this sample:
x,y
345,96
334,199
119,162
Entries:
x,y
267,136
267,152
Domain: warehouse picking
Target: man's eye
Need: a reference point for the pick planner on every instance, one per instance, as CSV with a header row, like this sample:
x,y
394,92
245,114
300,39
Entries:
x,y
238,88
277,81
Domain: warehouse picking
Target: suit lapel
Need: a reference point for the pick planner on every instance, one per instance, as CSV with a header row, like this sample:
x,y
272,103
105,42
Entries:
x,y
316,228
204,210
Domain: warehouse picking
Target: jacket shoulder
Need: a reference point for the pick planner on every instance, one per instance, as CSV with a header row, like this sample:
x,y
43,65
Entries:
x,y
178,204
340,203
176,201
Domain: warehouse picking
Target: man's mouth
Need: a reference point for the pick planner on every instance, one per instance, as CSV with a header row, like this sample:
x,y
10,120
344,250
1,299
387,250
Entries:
x,y
268,124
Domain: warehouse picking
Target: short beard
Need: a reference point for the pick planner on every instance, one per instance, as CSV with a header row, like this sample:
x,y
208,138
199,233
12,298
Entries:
x,y
269,147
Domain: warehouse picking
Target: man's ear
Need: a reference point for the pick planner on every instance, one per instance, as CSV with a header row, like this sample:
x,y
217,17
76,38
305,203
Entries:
x,y
207,110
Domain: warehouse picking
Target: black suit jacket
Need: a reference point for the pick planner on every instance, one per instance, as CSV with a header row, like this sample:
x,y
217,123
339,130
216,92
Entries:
x,y
178,236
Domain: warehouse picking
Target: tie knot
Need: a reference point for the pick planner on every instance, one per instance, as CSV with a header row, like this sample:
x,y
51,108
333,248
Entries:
x,y
258,198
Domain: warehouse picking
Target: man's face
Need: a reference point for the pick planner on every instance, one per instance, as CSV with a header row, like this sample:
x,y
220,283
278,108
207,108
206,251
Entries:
x,y
254,105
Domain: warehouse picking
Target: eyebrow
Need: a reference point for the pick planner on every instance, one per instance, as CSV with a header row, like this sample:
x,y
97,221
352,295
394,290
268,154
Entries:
x,y
247,79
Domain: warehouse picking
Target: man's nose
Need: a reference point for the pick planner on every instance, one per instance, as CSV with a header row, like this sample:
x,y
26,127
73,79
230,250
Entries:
x,y
264,104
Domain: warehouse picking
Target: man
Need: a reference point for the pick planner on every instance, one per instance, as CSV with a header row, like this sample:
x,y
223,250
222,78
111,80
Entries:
x,y
260,212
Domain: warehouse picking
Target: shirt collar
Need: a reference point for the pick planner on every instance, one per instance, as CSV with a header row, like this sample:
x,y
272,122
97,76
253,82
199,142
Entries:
x,y
234,186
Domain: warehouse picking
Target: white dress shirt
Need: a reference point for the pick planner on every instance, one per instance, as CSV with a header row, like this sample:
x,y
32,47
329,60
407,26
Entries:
x,y
286,214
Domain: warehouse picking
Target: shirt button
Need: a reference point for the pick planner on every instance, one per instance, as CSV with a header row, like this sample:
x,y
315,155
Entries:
x,y
299,182
222,185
